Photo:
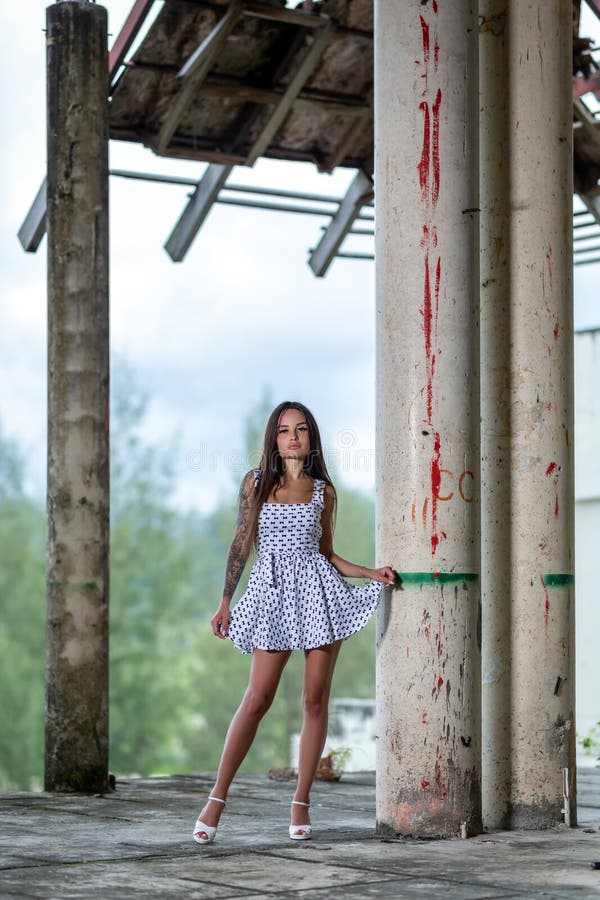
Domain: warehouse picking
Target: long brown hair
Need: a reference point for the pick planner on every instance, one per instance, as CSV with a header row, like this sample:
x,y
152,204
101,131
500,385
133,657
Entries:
x,y
271,463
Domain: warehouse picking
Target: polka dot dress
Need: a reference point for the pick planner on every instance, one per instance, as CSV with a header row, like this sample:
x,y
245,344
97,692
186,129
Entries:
x,y
296,599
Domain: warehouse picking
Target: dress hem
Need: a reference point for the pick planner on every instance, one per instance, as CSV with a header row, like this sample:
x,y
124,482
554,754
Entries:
x,y
313,646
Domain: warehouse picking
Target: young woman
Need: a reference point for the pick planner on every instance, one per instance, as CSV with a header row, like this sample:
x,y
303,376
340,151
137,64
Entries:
x,y
296,599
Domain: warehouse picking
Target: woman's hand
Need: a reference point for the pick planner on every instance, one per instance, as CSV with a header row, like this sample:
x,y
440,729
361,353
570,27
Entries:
x,y
220,621
385,574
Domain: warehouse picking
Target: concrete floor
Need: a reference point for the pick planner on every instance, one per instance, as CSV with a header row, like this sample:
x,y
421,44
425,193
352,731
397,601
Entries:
x,y
137,842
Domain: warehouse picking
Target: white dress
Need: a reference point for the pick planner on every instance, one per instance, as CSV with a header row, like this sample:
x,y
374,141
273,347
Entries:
x,y
295,599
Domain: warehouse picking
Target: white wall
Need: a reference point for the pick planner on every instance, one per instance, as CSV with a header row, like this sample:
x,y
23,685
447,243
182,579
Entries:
x,y
587,531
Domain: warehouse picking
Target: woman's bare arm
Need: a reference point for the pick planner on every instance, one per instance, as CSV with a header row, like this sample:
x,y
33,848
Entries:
x,y
237,557
239,550
344,567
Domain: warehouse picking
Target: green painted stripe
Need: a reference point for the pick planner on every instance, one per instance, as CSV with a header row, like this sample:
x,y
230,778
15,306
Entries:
x,y
434,577
558,580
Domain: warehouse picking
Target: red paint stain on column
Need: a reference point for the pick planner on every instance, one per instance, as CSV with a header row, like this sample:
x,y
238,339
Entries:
x,y
436,480
546,604
423,167
426,623
553,471
435,147
428,170
425,40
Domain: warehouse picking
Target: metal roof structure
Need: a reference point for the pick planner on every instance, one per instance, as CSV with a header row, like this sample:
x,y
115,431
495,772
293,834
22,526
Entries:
x,y
228,81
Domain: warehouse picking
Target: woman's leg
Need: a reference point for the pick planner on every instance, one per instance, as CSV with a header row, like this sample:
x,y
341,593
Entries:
x,y
265,674
318,674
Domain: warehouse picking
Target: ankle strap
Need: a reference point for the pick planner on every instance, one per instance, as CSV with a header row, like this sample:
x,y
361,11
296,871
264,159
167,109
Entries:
x,y
218,799
299,803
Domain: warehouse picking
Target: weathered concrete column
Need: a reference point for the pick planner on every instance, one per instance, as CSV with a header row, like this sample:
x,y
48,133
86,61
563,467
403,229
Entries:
x,y
541,404
428,665
76,757
495,203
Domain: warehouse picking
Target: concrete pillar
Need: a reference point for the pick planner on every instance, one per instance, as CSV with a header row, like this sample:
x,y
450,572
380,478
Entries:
x,y
428,661
76,753
495,203
529,401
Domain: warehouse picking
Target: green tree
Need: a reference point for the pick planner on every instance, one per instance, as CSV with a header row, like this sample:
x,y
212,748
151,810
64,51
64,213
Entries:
x,y
354,539
156,571
22,616
174,687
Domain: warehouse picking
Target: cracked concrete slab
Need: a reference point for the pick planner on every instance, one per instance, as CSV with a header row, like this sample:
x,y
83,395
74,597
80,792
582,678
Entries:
x,y
138,841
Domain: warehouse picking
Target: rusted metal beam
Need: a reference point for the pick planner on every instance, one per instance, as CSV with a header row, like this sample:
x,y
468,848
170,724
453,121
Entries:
x,y
33,228
196,211
231,88
369,256
251,94
188,148
359,193
322,104
248,122
592,201
586,117
195,71
243,93
351,136
127,35
287,16
594,5
579,250
302,74
582,85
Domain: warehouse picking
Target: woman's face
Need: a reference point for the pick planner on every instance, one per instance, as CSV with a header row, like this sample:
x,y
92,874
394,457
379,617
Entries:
x,y
292,435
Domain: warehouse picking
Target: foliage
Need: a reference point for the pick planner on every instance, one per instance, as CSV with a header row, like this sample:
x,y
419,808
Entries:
x,y
22,613
590,742
173,686
332,764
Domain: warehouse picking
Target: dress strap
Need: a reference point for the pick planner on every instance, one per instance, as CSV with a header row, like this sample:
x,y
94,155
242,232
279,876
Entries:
x,y
318,491
257,474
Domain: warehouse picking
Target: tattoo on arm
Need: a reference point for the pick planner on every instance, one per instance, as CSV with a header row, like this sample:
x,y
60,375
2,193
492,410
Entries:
x,y
240,549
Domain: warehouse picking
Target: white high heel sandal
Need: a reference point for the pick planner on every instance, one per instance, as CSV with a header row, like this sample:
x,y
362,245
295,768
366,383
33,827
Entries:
x,y
300,832
209,830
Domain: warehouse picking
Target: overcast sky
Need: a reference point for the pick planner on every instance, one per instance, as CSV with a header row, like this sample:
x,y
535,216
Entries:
x,y
242,314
